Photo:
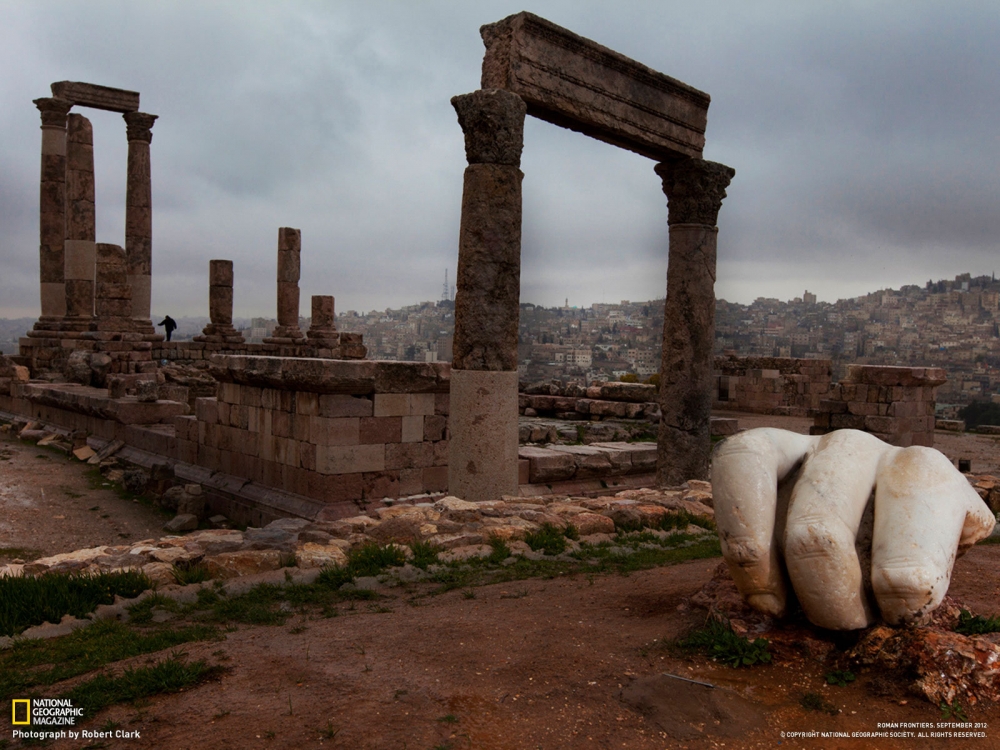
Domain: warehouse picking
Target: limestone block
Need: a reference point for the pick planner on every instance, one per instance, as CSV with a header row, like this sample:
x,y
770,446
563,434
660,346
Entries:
x,y
245,562
546,465
348,459
412,429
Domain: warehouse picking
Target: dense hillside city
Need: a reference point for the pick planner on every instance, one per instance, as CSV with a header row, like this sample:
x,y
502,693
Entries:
x,y
954,324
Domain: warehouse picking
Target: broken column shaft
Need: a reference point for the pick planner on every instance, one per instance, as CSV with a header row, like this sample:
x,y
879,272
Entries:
x,y
81,258
220,305
322,328
113,295
289,263
482,462
694,189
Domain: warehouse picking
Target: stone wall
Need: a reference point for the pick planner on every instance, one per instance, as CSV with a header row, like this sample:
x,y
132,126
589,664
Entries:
x,y
338,431
342,346
896,404
771,385
332,430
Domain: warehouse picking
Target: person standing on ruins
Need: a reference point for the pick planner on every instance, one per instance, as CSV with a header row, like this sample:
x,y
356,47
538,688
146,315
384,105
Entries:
x,y
169,325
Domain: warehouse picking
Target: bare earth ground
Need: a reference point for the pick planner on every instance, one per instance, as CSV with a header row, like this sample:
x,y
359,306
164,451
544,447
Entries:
x,y
571,662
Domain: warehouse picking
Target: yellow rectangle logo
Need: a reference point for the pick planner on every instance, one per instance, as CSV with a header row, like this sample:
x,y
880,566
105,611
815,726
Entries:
x,y
25,705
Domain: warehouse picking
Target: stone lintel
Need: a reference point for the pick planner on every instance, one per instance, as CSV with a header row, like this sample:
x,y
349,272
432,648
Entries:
x,y
98,97
331,376
578,84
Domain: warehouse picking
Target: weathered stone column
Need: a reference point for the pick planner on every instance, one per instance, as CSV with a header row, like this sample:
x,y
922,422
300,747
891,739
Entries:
x,y
289,264
139,214
81,246
52,209
482,462
323,328
694,189
113,296
220,305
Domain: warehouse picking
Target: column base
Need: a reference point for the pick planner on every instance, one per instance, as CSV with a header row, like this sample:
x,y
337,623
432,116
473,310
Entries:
x,y
482,450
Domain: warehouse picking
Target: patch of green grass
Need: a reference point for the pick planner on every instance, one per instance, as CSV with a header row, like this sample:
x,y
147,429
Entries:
x,y
816,702
370,559
424,554
44,662
258,606
500,550
840,677
548,539
718,641
187,574
168,676
448,719
970,624
953,712
141,613
26,601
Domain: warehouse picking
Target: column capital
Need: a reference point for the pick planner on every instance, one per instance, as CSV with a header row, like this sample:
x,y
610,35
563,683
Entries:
x,y
493,123
694,189
139,126
54,111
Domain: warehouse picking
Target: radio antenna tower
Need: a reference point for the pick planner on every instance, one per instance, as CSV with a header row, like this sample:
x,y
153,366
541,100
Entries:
x,y
444,294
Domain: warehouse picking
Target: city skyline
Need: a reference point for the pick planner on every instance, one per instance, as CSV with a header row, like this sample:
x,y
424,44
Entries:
x,y
863,141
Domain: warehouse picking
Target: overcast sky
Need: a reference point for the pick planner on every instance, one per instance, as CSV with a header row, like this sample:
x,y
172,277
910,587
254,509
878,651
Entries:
x,y
865,138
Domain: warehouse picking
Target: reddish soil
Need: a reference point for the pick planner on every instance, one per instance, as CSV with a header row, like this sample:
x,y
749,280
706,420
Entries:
x,y
572,662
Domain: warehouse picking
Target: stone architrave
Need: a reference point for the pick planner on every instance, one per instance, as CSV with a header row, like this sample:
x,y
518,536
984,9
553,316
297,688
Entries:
x,y
97,97
113,295
81,246
139,215
289,265
323,328
220,305
694,189
52,210
482,461
581,85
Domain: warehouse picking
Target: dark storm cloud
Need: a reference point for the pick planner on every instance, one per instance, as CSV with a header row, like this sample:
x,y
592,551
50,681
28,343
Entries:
x,y
864,138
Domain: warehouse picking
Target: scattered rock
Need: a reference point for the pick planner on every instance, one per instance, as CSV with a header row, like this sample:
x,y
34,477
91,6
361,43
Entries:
x,y
184,522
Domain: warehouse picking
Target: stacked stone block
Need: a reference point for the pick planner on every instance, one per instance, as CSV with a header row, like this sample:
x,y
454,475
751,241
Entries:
x,y
113,295
220,305
80,223
896,404
289,270
381,432
594,402
771,385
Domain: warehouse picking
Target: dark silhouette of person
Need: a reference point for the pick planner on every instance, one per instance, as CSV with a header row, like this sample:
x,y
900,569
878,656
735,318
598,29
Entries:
x,y
169,325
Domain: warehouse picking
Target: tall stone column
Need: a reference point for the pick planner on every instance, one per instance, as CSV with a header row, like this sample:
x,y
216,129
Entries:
x,y
694,189
482,462
52,210
81,246
139,215
220,305
289,265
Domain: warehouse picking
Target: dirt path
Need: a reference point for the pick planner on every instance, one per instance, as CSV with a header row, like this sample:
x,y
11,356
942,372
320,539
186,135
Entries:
x,y
48,505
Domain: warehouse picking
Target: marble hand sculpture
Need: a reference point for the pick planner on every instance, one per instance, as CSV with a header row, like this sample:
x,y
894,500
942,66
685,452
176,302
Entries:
x,y
790,507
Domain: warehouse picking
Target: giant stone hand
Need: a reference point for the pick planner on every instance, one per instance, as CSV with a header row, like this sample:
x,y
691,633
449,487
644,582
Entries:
x,y
789,508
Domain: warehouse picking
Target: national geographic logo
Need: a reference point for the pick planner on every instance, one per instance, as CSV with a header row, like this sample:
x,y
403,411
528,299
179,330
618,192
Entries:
x,y
44,712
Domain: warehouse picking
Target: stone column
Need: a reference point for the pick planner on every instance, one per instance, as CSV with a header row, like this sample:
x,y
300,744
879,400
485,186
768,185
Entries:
x,y
220,305
482,462
289,260
694,189
323,328
52,210
139,215
113,297
81,246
